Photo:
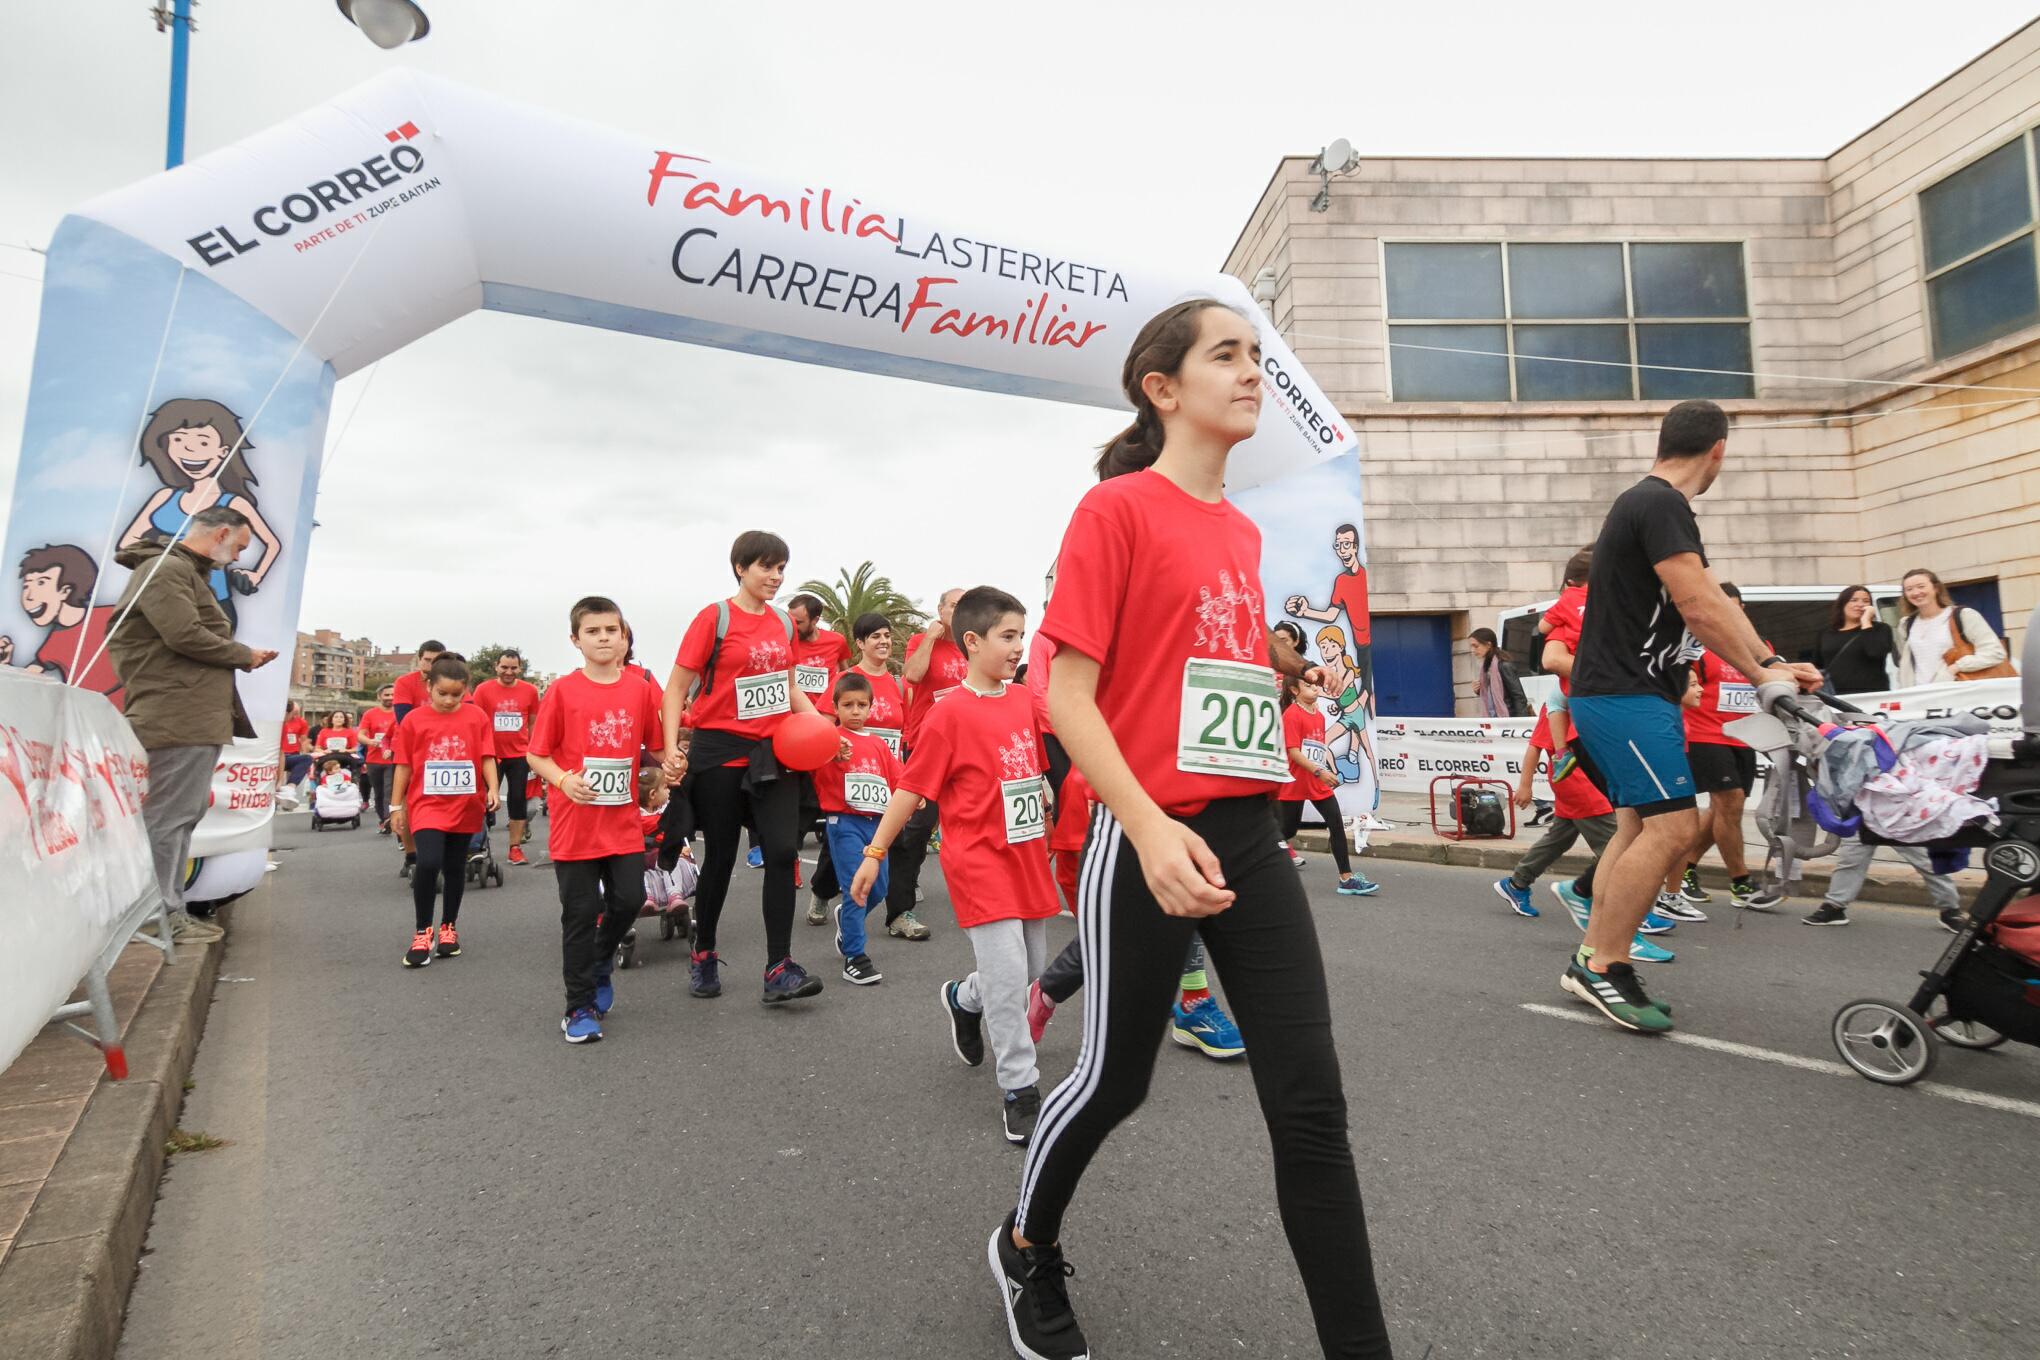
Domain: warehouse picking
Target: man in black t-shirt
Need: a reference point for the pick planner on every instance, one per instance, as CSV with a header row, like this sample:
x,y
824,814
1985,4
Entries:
x,y
1650,584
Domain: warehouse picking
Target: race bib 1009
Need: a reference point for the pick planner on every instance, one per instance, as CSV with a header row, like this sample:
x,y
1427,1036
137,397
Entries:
x,y
1026,809
763,696
608,778
866,793
449,779
811,679
1230,721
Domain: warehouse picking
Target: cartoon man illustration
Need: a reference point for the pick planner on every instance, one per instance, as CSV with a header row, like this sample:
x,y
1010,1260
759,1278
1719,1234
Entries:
x,y
187,443
56,583
1346,691
1348,593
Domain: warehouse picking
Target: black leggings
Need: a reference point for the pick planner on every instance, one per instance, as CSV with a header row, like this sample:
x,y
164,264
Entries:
x,y
722,807
909,853
1290,817
375,780
440,854
1265,947
513,776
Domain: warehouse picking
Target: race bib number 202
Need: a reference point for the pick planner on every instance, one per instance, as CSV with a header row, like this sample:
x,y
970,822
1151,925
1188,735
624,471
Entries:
x,y
1230,721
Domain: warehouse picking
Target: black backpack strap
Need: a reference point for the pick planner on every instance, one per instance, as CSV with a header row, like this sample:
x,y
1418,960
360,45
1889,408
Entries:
x,y
722,627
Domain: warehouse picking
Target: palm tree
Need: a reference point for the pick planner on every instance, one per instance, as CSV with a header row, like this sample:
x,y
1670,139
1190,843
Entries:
x,y
864,591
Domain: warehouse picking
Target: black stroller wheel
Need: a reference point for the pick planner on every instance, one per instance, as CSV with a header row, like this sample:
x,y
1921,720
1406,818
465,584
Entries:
x,y
1888,1043
1970,1034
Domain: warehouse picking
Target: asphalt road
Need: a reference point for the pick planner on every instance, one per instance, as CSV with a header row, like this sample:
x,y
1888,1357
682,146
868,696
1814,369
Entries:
x,y
419,1166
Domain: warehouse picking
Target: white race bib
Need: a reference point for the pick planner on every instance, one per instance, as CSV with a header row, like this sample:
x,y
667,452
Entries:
x,y
509,720
942,694
336,743
762,696
1026,809
866,793
449,779
889,735
811,679
1318,756
1737,699
1230,721
608,778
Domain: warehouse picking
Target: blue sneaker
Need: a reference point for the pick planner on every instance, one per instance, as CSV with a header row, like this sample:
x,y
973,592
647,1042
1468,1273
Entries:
x,y
1643,951
605,991
1576,906
1209,1029
704,974
581,1026
756,859
1359,885
788,981
1517,898
1656,923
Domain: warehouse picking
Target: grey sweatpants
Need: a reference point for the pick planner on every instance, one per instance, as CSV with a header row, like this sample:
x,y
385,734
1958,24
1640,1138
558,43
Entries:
x,y
1556,840
180,786
1010,954
1852,866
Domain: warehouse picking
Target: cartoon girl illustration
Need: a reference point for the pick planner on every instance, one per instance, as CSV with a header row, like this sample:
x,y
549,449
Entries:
x,y
1350,703
187,442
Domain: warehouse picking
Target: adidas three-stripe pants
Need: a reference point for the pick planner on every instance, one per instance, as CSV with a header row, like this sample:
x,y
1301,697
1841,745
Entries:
x,y
1265,948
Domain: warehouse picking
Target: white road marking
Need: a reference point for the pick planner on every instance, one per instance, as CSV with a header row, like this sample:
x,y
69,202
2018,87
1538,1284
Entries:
x,y
1824,1066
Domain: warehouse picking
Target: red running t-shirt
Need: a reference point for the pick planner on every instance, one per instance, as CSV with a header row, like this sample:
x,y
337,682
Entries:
x,y
510,709
410,689
1565,618
600,731
295,730
947,666
862,783
1574,796
1164,591
1038,658
1072,813
888,717
378,734
1725,695
327,740
981,759
66,648
444,752
1303,725
1349,592
816,663
753,681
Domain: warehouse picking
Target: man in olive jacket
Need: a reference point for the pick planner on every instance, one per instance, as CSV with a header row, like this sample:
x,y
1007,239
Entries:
x,y
174,650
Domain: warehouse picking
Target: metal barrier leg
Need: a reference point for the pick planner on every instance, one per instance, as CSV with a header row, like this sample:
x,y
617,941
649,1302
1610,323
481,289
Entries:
x,y
99,1004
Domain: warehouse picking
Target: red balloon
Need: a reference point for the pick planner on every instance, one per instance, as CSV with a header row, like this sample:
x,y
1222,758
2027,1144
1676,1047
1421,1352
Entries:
x,y
805,741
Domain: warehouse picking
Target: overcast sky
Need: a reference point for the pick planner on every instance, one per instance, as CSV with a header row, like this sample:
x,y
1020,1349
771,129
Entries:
x,y
502,465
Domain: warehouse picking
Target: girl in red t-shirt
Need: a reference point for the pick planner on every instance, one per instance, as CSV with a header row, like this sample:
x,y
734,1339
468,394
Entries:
x,y
1165,697
297,758
445,783
1314,780
747,688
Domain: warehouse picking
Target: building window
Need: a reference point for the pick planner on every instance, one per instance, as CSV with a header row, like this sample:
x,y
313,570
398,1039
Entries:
x,y
1977,243
1567,321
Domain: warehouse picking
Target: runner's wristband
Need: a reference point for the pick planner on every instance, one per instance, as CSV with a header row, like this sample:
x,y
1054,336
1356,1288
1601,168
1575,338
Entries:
x,y
1774,660
877,852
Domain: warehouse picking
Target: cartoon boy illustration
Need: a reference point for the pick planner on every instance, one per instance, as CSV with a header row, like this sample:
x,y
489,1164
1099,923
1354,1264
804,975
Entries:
x,y
1348,593
1348,695
187,443
56,584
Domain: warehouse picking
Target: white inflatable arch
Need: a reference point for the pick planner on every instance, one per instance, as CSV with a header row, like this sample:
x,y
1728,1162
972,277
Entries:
x,y
193,325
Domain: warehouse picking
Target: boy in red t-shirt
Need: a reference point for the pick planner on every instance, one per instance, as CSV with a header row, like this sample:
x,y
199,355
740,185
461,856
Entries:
x,y
854,790
378,734
979,755
1579,809
593,728
1313,780
445,783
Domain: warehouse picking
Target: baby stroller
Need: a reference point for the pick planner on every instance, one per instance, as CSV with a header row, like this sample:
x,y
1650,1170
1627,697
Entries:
x,y
668,898
336,798
482,869
1984,989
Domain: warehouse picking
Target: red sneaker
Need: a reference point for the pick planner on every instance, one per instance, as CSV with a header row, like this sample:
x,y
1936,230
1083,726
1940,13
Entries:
x,y
449,940
517,855
420,952
1040,1010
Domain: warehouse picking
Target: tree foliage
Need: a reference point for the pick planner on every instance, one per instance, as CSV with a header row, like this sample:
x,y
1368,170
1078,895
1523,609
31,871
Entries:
x,y
863,591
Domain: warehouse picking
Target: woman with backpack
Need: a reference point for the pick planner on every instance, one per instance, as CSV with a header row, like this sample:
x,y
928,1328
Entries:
x,y
1940,641
1500,691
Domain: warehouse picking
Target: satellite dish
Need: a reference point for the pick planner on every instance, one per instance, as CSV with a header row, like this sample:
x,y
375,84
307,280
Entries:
x,y
1339,157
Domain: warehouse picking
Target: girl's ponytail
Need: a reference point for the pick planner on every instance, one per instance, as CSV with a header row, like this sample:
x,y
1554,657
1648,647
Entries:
x,y
1159,348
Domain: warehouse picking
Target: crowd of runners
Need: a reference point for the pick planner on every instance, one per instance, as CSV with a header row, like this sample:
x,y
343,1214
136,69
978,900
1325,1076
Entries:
x,y
1140,771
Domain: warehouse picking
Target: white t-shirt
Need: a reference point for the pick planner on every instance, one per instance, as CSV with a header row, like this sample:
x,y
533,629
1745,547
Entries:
x,y
1929,640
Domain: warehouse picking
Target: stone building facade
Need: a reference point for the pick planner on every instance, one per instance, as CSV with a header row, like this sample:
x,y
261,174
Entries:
x,y
326,662
1878,293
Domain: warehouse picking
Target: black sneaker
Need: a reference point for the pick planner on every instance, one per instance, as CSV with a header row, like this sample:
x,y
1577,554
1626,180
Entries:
x,y
966,1030
1953,920
862,972
1034,1286
1826,914
1022,1109
788,981
1755,897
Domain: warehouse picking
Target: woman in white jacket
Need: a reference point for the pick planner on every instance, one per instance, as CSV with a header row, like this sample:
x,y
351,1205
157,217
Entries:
x,y
1926,634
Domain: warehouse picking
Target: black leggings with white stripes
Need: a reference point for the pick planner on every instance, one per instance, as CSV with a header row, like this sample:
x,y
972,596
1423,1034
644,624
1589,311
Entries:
x,y
1265,948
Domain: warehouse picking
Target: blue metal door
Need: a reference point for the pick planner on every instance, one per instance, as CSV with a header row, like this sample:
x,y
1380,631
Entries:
x,y
1982,596
1413,665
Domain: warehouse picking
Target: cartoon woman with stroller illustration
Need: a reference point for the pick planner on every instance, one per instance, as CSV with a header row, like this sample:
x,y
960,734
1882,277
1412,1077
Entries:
x,y
187,442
